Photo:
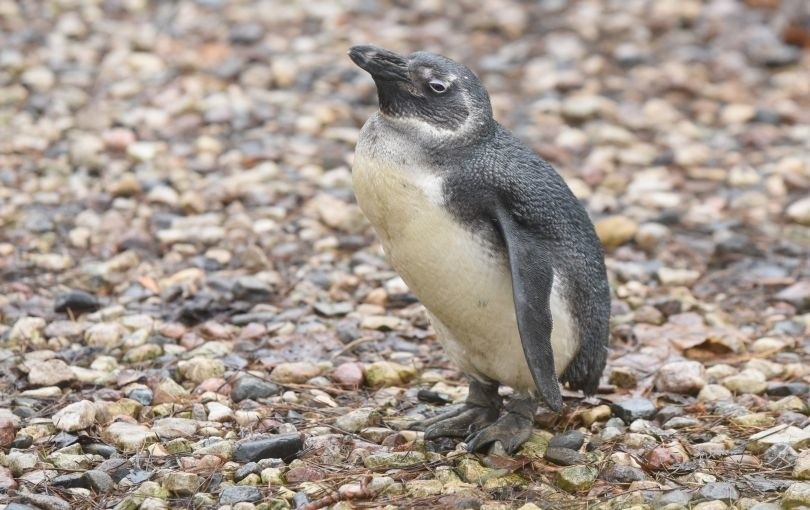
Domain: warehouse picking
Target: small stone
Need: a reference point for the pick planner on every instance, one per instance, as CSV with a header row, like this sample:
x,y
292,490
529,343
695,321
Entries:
x,y
780,456
796,496
182,484
423,488
142,395
128,437
743,383
623,377
49,373
620,473
76,302
576,478
105,334
797,294
198,370
393,460
238,494
564,456
348,374
801,470
382,323
76,416
387,373
355,420
787,389
634,408
687,377
297,372
799,211
45,501
714,393
282,446
595,414
719,490
7,481
616,230
572,439
26,330
169,392
251,387
793,436
99,481
677,277
579,108
252,289
173,428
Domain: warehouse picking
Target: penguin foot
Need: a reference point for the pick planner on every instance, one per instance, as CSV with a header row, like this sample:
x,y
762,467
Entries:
x,y
481,409
511,430
460,423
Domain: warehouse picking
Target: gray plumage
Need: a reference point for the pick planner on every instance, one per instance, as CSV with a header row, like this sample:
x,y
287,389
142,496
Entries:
x,y
439,178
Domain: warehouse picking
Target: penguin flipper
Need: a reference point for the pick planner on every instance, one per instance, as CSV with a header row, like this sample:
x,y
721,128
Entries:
x,y
532,279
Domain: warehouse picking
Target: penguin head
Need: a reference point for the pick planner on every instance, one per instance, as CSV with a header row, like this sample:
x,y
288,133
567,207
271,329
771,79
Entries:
x,y
428,91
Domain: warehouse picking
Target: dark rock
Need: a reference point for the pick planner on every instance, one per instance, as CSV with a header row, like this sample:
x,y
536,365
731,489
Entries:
x,y
46,502
248,288
141,395
99,481
780,456
237,494
102,449
76,302
63,440
249,468
620,473
787,389
250,387
666,413
118,468
571,439
71,481
284,446
633,409
22,441
564,456
719,490
677,496
246,33
300,499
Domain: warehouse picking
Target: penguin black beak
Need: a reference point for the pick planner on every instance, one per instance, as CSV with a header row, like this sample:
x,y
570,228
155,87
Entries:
x,y
380,63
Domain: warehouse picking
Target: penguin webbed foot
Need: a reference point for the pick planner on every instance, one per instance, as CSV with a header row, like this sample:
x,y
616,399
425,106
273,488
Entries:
x,y
481,409
511,430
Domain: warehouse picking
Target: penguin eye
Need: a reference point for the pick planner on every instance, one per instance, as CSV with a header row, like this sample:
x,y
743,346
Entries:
x,y
437,86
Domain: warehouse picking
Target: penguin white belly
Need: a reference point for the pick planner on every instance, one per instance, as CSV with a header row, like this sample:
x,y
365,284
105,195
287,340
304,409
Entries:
x,y
465,286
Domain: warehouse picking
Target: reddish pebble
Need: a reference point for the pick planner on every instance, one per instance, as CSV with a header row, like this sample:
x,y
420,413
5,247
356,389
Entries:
x,y
303,474
215,384
252,330
118,138
7,481
660,458
7,432
173,330
348,374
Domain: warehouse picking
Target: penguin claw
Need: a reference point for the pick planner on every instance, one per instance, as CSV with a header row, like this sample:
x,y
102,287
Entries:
x,y
511,430
459,423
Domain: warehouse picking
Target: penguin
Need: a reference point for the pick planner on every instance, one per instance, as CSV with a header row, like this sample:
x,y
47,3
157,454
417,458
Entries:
x,y
489,238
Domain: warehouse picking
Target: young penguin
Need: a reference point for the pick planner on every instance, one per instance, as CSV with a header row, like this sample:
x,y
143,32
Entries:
x,y
489,238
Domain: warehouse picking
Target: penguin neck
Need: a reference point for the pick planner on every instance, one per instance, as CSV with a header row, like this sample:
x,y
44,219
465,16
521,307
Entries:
x,y
431,138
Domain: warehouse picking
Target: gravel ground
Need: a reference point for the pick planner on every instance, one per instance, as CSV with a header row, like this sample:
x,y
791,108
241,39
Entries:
x,y
194,313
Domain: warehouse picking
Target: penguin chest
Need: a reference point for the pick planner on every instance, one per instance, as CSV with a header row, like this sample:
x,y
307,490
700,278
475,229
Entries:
x,y
461,279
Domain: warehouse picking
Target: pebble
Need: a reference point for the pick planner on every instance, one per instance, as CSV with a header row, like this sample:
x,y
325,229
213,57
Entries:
x,y
393,460
76,416
633,409
49,373
687,377
576,478
348,374
254,388
282,446
780,456
297,372
128,437
719,491
572,439
801,468
387,373
564,456
238,494
182,484
614,231
796,496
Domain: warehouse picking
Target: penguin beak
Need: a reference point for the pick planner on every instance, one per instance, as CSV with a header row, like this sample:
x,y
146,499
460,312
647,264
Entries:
x,y
381,64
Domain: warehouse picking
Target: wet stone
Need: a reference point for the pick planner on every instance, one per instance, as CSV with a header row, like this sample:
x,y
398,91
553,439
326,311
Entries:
x,y
633,409
250,387
76,302
564,456
619,473
238,494
573,439
283,446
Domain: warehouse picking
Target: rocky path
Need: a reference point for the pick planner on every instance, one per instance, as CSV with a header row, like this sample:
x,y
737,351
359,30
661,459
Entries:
x,y
194,313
